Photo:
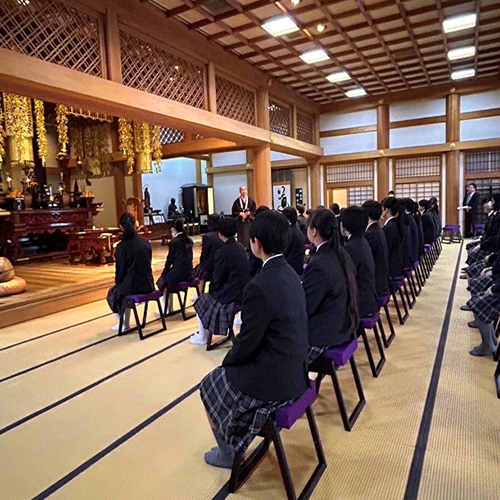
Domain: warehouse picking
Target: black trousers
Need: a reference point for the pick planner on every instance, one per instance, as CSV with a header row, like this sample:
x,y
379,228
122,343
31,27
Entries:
x,y
470,221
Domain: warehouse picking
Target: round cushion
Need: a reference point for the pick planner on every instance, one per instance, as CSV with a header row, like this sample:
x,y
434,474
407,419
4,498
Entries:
x,y
6,270
17,285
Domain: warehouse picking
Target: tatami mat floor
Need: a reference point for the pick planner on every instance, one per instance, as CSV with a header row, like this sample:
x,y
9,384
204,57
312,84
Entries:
x,y
87,415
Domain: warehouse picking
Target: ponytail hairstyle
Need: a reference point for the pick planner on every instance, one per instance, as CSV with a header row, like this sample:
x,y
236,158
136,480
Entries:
x,y
127,222
434,204
396,208
328,228
178,225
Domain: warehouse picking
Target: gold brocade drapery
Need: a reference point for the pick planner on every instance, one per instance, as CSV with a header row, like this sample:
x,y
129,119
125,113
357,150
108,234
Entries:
x,y
18,128
41,131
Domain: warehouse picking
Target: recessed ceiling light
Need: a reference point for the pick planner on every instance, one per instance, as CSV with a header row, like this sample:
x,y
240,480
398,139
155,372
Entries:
x,y
295,2
340,76
320,28
356,92
314,56
458,23
461,53
463,73
280,26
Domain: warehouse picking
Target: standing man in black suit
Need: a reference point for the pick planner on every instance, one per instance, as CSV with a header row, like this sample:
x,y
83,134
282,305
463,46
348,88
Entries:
x,y
244,212
471,201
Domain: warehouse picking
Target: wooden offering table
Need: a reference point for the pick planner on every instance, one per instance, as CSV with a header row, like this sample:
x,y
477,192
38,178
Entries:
x,y
21,224
97,245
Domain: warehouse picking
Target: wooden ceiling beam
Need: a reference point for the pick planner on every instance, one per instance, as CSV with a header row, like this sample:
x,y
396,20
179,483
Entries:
x,y
200,146
477,7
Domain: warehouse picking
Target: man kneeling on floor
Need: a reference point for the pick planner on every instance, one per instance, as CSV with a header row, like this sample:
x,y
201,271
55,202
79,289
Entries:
x,y
266,367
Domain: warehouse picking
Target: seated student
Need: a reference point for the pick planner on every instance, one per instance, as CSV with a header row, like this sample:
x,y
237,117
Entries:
x,y
210,243
428,222
437,217
330,287
179,263
393,232
214,310
335,208
420,231
301,219
411,246
294,251
407,236
267,366
133,273
353,222
254,262
378,245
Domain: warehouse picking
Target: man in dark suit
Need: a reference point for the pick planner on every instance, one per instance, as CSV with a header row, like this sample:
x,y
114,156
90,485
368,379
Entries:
x,y
354,221
471,201
378,244
244,212
294,251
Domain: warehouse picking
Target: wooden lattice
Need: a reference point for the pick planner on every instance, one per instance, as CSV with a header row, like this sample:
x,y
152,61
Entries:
x,y
235,101
351,172
425,166
52,31
171,136
305,128
280,118
418,190
358,195
152,69
482,161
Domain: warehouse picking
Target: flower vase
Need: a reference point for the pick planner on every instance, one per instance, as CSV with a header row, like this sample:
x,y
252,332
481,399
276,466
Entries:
x,y
28,201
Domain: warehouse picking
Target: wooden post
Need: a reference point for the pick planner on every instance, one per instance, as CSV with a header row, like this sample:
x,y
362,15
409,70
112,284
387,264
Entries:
x,y
112,41
263,108
137,192
294,120
120,191
199,177
212,93
382,144
249,157
452,158
315,172
262,181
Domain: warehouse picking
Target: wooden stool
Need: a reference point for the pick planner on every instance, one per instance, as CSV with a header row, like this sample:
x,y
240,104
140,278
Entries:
x,y
327,364
283,418
131,302
371,324
396,286
383,301
182,288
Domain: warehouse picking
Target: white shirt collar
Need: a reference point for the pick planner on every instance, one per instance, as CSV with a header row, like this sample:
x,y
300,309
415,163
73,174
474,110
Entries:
x,y
371,224
272,257
390,218
321,244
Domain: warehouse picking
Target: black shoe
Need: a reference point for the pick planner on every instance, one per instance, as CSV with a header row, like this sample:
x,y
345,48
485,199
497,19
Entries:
x,y
465,307
472,324
463,276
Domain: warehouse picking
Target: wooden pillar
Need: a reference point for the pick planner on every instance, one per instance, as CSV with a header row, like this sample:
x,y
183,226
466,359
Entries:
x,y
316,184
199,176
382,144
452,158
262,182
137,192
112,44
262,109
249,157
120,191
211,88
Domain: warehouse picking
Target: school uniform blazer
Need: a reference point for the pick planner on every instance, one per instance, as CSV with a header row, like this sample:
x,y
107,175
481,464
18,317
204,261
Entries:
x,y
394,249
420,232
359,250
407,243
489,239
378,245
294,251
268,357
179,263
133,273
325,286
210,244
415,243
429,227
302,222
231,273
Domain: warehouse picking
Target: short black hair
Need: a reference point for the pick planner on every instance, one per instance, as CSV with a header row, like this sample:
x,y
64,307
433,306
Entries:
x,y
425,204
227,227
335,208
473,184
271,229
212,222
262,208
291,214
354,219
391,193
373,209
301,209
172,200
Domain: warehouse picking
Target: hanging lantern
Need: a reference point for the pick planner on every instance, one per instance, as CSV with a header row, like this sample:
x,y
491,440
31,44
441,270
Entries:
x,y
143,151
41,131
156,145
62,129
2,140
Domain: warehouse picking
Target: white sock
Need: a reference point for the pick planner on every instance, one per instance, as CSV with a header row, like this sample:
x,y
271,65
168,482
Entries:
x,y
126,321
201,328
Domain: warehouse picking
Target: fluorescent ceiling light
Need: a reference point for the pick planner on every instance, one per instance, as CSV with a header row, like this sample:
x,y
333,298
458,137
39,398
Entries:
x,y
458,23
314,56
340,76
356,92
463,73
461,53
280,26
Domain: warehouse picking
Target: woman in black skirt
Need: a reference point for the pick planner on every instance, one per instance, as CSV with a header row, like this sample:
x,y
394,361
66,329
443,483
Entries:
x,y
133,273
330,287
267,365
214,310
179,263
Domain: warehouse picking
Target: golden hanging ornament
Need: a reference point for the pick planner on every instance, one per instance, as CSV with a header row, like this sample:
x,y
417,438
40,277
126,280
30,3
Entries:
x,y
18,127
41,131
126,139
62,127
2,139
156,145
143,158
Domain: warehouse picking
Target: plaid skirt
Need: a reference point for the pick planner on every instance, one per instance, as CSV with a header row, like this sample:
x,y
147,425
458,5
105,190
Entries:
x,y
475,269
486,308
238,418
216,317
315,352
476,255
479,284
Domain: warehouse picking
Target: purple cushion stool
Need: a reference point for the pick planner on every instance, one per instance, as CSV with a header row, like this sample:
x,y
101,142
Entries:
x,y
396,286
373,323
283,418
181,289
383,301
327,364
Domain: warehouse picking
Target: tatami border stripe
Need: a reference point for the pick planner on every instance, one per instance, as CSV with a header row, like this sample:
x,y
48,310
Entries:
x,y
67,398
115,444
415,475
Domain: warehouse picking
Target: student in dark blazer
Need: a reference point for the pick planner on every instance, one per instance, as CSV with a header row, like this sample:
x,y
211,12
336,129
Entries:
x,y
437,216
267,365
214,310
471,200
179,262
294,251
301,219
210,243
393,232
428,222
420,231
133,274
330,287
410,240
378,245
353,222
254,262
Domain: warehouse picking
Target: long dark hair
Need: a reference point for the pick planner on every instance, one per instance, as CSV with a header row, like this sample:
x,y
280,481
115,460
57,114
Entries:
x,y
434,204
396,208
327,226
178,225
127,222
